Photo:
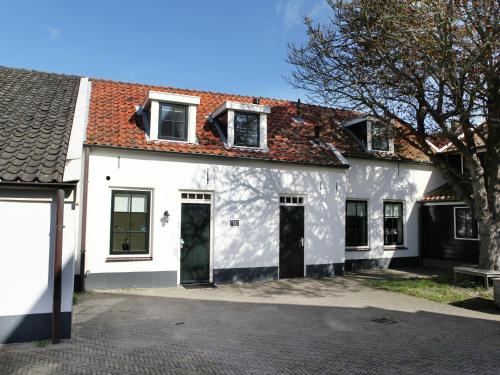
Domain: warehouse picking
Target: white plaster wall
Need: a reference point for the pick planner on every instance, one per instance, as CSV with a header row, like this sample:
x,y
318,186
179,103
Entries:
x,y
376,181
244,190
27,252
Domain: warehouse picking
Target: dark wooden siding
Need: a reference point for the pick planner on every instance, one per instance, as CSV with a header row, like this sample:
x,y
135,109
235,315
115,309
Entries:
x,y
438,240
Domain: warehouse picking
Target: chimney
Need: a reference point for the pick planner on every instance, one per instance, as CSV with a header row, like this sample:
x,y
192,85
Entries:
x,y
256,100
298,107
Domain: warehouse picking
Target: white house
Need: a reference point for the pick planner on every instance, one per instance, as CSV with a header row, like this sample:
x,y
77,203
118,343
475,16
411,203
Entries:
x,y
41,131
198,187
127,185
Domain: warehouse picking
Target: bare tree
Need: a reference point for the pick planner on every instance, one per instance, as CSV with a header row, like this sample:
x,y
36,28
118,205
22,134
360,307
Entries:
x,y
426,65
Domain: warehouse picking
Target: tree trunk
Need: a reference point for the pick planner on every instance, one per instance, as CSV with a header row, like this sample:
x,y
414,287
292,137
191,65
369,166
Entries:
x,y
489,244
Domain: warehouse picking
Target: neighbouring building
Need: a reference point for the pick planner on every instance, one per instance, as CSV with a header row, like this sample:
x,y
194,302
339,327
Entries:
x,y
449,232
41,130
189,186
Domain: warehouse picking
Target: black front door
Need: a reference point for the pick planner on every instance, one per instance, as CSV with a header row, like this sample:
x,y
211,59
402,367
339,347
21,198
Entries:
x,y
195,243
291,241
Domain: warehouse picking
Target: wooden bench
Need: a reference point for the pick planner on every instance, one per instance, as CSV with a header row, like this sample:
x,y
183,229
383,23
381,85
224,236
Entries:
x,y
473,271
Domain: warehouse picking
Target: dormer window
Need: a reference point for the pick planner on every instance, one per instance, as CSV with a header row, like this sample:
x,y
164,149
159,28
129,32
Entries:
x,y
380,140
371,133
242,124
171,117
173,122
246,129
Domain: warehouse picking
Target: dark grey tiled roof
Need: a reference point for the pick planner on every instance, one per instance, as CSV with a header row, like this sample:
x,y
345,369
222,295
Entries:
x,y
36,115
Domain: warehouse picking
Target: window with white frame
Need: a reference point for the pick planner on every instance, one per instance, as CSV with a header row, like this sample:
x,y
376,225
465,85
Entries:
x,y
242,124
170,116
465,225
291,200
371,133
130,222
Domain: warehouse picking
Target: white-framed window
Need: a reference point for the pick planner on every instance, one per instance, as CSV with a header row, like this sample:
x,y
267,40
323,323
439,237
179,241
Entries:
x,y
170,117
130,222
465,227
292,200
196,197
373,134
242,125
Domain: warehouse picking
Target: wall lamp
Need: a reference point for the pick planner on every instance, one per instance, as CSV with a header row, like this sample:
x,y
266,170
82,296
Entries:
x,y
165,217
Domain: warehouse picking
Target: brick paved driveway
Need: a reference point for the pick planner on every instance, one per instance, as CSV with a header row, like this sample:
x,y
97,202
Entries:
x,y
202,332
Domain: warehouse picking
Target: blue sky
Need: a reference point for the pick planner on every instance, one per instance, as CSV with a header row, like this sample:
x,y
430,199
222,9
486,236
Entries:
x,y
234,46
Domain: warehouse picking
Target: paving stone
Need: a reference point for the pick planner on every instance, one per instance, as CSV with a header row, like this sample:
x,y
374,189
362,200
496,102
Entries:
x,y
134,334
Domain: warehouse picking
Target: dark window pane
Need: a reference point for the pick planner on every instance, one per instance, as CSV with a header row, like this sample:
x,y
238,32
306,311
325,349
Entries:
x,y
246,129
180,114
138,242
121,242
380,140
184,195
192,196
121,222
465,225
206,196
173,122
393,223
180,130
294,200
166,112
166,129
138,222
282,199
455,160
301,200
359,130
199,196
356,223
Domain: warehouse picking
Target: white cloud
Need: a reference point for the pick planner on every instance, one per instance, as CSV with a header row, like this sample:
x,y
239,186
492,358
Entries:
x,y
292,12
320,12
54,33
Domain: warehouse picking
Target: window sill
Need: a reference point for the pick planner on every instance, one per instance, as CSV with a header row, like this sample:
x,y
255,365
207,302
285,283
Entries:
x,y
128,259
249,148
466,239
396,247
357,248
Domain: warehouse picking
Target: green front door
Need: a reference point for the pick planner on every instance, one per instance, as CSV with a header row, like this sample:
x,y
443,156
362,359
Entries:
x,y
195,243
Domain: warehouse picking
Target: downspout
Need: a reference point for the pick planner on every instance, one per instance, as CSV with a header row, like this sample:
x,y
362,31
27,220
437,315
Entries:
x,y
83,239
56,303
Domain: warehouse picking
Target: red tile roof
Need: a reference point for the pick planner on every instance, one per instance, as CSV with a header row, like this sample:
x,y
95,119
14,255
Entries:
x,y
443,193
112,122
